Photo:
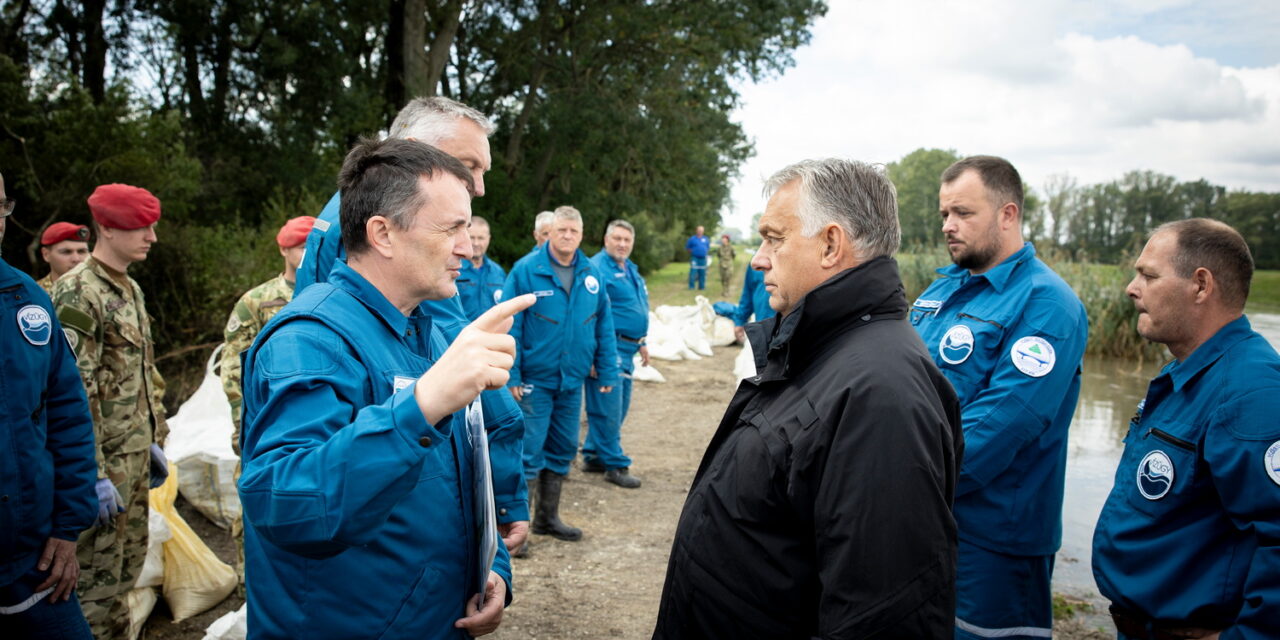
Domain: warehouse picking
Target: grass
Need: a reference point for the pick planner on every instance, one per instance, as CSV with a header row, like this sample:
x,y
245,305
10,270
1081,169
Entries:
x,y
670,284
1264,292
1065,607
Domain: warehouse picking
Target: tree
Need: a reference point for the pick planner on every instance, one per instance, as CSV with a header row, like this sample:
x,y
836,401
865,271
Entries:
x,y
916,177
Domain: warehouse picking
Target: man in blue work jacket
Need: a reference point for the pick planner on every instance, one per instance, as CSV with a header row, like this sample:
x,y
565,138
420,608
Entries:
x,y
629,302
1010,335
698,245
559,339
753,301
47,469
480,283
463,133
1188,543
358,483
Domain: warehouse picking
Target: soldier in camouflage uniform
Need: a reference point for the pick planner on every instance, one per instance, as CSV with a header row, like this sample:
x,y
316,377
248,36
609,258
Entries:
x,y
250,314
63,245
726,256
105,319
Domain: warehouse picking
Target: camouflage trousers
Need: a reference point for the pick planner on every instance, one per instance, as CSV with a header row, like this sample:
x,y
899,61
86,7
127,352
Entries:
x,y
726,278
237,535
111,557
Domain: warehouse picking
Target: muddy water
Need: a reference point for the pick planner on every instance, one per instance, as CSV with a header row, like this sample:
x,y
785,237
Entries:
x,y
1109,393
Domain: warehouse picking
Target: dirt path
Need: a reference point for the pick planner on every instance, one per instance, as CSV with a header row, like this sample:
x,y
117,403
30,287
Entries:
x,y
607,585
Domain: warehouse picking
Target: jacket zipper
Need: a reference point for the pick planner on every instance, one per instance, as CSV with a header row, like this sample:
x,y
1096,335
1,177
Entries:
x,y
1171,439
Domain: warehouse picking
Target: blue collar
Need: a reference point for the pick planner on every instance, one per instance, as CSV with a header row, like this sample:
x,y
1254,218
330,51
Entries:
x,y
578,263
8,275
999,275
347,279
1180,373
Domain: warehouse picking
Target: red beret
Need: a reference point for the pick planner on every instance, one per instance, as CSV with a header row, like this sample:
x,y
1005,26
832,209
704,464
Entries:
x,y
294,232
121,206
60,231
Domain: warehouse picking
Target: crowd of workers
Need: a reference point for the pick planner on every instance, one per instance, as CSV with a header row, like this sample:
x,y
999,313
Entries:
x,y
892,469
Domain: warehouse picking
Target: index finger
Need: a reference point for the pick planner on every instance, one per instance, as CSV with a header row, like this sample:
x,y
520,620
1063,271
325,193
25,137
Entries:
x,y
498,318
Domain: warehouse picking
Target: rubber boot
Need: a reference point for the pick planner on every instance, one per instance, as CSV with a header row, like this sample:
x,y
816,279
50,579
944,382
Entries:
x,y
546,519
523,551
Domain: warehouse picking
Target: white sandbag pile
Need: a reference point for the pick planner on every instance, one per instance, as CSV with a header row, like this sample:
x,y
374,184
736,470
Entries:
x,y
645,373
231,626
687,332
200,445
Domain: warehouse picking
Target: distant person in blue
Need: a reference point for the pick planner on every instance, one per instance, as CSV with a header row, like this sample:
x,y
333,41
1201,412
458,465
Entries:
x,y
358,479
480,283
629,301
1188,543
698,245
558,341
1010,336
754,301
47,468
463,133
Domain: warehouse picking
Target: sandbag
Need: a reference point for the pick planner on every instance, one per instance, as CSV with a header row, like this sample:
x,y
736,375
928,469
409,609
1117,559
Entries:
x,y
195,580
140,603
722,332
152,574
744,366
231,626
645,373
200,445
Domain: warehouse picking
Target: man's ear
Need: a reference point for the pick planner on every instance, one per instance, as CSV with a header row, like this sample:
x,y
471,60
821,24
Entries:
x,y
1205,284
378,230
835,246
1010,216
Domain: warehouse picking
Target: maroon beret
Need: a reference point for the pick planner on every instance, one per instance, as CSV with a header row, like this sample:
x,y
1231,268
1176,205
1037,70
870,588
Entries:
x,y
121,206
60,231
294,232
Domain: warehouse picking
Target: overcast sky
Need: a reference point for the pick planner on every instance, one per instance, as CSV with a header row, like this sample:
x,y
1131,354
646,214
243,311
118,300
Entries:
x,y
1092,89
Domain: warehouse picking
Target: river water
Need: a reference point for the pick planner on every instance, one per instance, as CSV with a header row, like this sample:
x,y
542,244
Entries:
x,y
1109,393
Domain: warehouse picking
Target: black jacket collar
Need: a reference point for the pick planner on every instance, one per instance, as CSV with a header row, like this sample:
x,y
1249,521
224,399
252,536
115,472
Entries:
x,y
870,291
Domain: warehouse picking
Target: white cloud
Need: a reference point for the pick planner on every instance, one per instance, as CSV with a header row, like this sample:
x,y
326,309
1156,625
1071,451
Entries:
x,y
1022,80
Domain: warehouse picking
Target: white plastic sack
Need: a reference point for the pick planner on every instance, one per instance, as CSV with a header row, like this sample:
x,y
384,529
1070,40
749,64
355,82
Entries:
x,y
231,626
152,574
695,338
645,373
139,602
199,445
744,366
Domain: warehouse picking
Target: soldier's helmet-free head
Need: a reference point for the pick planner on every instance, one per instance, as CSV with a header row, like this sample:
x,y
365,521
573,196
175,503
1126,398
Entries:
x,y
121,206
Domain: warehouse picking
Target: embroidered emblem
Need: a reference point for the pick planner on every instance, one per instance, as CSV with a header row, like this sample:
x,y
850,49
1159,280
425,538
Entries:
x,y
233,323
322,225
115,304
956,345
593,285
497,296
35,324
1272,459
1033,356
1155,475
73,339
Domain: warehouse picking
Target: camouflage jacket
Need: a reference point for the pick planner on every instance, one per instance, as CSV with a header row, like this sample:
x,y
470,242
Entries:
x,y
250,314
105,319
46,283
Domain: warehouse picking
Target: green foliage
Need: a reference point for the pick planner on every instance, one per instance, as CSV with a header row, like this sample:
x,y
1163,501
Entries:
x,y
916,177
1264,292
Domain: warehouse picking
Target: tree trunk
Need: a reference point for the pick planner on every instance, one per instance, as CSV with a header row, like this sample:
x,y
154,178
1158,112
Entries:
x,y
445,21
95,49
414,52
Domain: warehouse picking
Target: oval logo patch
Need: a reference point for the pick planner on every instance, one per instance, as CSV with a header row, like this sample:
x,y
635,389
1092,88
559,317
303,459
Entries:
x,y
1155,475
1033,356
1272,458
592,285
35,324
956,345
497,296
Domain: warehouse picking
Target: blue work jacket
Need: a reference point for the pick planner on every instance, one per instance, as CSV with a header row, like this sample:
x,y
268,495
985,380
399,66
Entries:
x,y
563,334
754,299
47,470
502,416
628,299
480,288
1011,342
698,246
1191,530
359,514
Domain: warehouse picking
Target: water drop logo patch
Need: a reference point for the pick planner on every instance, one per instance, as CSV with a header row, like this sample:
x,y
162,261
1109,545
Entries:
x,y
35,324
593,285
956,345
1155,475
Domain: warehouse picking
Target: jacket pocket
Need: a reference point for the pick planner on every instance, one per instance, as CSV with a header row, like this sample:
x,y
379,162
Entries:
x,y
414,617
1162,467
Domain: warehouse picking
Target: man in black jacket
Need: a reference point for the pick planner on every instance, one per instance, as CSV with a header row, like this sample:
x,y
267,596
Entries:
x,y
822,507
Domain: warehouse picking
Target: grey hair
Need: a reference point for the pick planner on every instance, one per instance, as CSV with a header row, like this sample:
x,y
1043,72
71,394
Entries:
x,y
478,220
431,120
543,220
620,223
855,195
566,212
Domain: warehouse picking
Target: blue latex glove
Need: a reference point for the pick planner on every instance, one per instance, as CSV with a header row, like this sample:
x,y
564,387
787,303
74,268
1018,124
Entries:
x,y
159,466
109,501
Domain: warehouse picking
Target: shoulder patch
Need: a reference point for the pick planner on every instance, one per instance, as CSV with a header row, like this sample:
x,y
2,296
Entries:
x,y
233,324
73,318
73,339
1033,356
1272,460
35,324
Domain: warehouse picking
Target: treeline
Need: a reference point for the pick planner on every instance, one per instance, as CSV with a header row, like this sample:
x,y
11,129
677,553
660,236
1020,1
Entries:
x,y
237,113
1106,222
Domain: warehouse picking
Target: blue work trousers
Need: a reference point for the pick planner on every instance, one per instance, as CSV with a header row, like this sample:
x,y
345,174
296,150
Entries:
x,y
1002,596
698,271
550,427
62,620
605,414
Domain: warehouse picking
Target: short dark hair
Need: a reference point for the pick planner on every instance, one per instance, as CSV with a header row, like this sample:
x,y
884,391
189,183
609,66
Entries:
x,y
998,175
1217,247
381,178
